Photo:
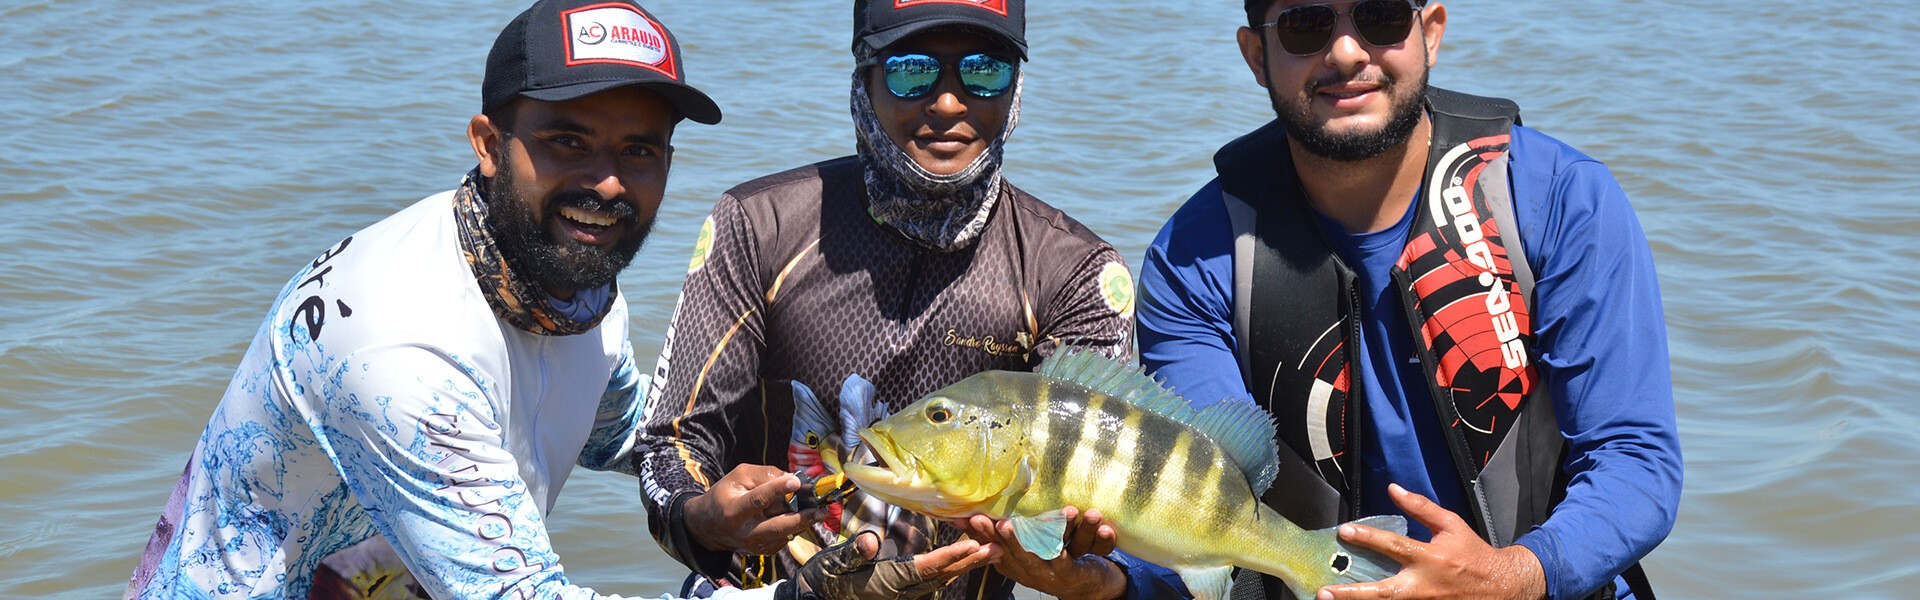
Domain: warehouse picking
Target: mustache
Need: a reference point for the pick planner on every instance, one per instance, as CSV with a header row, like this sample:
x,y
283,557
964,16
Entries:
x,y
587,200
1383,80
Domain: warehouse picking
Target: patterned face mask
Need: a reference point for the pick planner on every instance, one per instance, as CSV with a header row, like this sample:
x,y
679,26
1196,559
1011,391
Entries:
x,y
941,212
514,299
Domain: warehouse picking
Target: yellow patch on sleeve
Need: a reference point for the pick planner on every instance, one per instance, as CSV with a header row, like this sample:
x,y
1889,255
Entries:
x,y
702,246
1116,287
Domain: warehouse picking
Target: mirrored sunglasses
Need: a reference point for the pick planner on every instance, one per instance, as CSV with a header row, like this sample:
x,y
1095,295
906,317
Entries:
x,y
911,76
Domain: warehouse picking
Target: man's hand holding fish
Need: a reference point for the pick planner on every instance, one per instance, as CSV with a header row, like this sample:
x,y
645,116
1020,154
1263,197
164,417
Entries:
x,y
1079,572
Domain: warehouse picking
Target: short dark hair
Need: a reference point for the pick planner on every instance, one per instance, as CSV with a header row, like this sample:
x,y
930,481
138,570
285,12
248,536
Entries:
x,y
1257,10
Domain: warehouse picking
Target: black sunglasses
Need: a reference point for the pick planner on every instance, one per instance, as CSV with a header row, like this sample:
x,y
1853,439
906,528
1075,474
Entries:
x,y
1304,30
911,76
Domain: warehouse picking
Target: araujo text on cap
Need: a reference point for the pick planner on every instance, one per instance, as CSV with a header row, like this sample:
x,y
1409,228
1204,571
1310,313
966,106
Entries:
x,y
560,50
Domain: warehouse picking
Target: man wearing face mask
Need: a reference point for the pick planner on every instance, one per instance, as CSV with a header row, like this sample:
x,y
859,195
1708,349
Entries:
x,y
1452,317
914,264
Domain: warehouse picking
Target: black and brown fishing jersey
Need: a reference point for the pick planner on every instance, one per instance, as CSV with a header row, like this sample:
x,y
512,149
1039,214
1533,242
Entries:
x,y
792,279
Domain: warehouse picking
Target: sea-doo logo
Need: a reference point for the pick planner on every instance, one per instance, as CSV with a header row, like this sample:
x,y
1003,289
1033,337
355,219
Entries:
x,y
617,34
997,6
1456,209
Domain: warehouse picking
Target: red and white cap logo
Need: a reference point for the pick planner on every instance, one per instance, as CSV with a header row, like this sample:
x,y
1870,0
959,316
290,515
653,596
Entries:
x,y
997,6
616,33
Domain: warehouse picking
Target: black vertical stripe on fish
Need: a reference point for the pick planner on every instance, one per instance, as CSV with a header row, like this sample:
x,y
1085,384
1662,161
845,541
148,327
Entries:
x,y
1064,437
1173,468
1143,480
1096,453
1203,462
1228,491
1063,434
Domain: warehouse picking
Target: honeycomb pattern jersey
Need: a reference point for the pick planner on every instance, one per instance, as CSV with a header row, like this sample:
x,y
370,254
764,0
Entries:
x,y
792,279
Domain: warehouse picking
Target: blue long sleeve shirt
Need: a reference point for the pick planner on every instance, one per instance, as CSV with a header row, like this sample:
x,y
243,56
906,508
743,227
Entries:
x,y
1601,344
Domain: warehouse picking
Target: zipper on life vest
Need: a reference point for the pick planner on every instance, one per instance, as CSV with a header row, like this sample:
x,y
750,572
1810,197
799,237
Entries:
x,y
1356,405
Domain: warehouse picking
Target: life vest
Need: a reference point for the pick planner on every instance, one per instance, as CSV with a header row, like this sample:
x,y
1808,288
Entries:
x,y
1466,287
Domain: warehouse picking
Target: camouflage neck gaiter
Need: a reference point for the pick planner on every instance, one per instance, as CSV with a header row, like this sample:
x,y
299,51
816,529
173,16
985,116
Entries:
x,y
941,212
513,299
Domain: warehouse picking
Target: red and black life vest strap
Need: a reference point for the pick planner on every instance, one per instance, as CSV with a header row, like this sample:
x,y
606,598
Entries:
x,y
1471,320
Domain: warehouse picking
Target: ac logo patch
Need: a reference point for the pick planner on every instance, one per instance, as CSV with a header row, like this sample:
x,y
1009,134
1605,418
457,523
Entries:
x,y
617,34
999,7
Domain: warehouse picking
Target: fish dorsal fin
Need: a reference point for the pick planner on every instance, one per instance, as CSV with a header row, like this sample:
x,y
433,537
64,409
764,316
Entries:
x,y
1119,380
1243,430
1246,433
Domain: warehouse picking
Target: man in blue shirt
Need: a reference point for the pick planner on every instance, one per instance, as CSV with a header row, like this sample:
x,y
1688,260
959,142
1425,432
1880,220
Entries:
x,y
1452,317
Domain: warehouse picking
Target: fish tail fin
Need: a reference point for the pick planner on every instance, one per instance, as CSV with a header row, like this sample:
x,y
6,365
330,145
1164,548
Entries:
x,y
1347,563
1366,565
1320,559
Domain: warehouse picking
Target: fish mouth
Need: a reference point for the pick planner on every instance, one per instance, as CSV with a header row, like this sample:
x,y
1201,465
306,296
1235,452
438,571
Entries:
x,y
895,477
887,460
901,479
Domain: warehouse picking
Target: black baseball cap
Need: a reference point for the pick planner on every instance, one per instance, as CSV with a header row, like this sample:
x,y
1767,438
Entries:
x,y
564,49
879,23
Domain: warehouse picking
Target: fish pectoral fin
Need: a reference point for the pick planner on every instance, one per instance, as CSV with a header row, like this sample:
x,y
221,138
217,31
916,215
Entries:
x,y
1208,583
1045,535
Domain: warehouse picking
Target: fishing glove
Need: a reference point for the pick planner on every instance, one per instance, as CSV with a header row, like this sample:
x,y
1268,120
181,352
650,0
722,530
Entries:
x,y
842,572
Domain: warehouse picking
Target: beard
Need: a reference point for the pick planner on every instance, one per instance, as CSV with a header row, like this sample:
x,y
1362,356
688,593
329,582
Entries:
x,y
1303,127
553,261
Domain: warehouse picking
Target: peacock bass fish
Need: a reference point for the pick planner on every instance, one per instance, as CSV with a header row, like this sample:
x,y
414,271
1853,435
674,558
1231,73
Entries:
x,y
1180,486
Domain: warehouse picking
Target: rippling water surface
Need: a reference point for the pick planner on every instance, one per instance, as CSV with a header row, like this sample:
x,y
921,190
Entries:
x,y
164,167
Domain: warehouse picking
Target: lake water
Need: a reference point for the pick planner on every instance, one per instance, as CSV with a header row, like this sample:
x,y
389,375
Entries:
x,y
165,166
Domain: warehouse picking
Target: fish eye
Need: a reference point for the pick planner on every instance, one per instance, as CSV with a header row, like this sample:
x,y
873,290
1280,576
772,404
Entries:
x,y
813,439
939,413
